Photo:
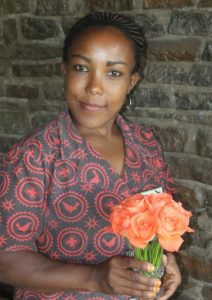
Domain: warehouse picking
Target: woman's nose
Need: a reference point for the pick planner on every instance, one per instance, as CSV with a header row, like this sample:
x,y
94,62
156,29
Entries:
x,y
95,85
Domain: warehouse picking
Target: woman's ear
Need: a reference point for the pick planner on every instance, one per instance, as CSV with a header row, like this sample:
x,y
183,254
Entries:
x,y
63,68
135,77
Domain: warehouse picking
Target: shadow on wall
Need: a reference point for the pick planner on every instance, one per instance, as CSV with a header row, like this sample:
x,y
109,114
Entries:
x,y
6,292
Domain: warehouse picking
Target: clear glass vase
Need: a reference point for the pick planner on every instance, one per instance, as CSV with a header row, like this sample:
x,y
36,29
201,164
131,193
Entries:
x,y
157,273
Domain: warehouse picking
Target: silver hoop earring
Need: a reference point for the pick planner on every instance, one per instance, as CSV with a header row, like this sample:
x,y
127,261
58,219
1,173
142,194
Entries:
x,y
130,103
62,94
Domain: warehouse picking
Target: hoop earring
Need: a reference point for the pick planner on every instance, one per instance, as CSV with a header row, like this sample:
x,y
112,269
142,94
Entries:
x,y
62,92
130,103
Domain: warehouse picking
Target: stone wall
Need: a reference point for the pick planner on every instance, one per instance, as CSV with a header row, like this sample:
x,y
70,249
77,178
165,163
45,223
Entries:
x,y
175,96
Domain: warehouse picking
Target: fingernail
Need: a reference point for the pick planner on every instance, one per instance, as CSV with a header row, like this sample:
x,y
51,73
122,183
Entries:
x,y
157,283
156,289
151,294
151,268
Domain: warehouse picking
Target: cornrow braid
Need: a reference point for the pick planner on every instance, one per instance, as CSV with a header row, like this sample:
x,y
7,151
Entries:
x,y
118,21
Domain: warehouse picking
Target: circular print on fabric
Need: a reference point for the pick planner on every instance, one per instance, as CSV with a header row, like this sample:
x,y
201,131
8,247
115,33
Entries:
x,y
30,296
51,138
108,243
104,201
132,156
4,183
30,191
72,241
95,174
45,241
12,156
145,136
70,207
33,157
65,173
45,296
22,226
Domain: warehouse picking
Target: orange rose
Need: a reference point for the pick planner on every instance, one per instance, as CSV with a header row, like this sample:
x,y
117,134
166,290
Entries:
x,y
119,219
142,229
135,204
156,201
173,221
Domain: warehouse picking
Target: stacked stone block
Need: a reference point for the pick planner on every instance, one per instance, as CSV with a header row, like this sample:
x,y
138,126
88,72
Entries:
x,y
174,97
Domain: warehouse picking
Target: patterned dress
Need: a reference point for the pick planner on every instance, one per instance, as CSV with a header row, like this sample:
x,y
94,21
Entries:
x,y
56,193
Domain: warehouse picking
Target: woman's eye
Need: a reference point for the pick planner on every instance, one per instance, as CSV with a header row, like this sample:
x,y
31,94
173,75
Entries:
x,y
80,68
115,73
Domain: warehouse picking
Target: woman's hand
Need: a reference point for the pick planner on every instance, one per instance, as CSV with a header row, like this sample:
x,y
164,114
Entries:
x,y
172,277
116,277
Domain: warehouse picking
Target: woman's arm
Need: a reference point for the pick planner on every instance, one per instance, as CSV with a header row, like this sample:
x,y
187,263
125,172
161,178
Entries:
x,y
33,271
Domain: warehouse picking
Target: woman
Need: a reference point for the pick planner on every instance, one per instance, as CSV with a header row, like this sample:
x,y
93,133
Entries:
x,y
58,184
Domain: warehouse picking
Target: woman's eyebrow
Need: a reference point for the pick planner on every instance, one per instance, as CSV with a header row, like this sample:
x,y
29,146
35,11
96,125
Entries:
x,y
82,57
109,63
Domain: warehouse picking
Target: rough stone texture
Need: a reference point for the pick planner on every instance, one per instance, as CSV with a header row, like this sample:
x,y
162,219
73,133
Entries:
x,y
201,75
174,98
204,142
168,3
151,26
33,70
151,97
204,3
191,23
38,29
10,32
190,167
180,50
162,73
207,54
60,7
35,52
113,5
197,262
197,101
22,91
14,7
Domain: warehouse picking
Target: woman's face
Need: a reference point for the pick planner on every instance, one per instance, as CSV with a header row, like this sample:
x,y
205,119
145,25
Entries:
x,y
98,76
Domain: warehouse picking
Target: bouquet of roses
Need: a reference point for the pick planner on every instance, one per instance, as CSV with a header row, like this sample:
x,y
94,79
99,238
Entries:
x,y
151,223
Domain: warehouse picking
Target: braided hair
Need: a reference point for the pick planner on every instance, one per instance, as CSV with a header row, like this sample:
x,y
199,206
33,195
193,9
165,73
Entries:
x,y
121,22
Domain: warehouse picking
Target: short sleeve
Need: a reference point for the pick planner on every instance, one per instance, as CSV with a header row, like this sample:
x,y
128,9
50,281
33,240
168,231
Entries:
x,y
22,196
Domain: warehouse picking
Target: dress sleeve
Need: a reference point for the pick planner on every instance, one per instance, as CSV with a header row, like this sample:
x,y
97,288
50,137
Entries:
x,y
22,196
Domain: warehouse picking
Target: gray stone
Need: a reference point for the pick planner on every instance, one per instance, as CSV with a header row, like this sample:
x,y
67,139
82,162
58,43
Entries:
x,y
186,166
164,73
14,122
174,50
191,23
22,91
3,52
207,54
53,90
61,7
13,104
201,75
36,52
168,3
36,70
172,139
195,117
192,100
114,5
204,3
10,32
204,142
39,29
151,97
150,25
197,262
41,118
14,7
3,68
207,292
68,22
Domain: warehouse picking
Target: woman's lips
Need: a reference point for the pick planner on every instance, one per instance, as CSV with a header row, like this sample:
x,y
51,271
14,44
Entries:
x,y
92,107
